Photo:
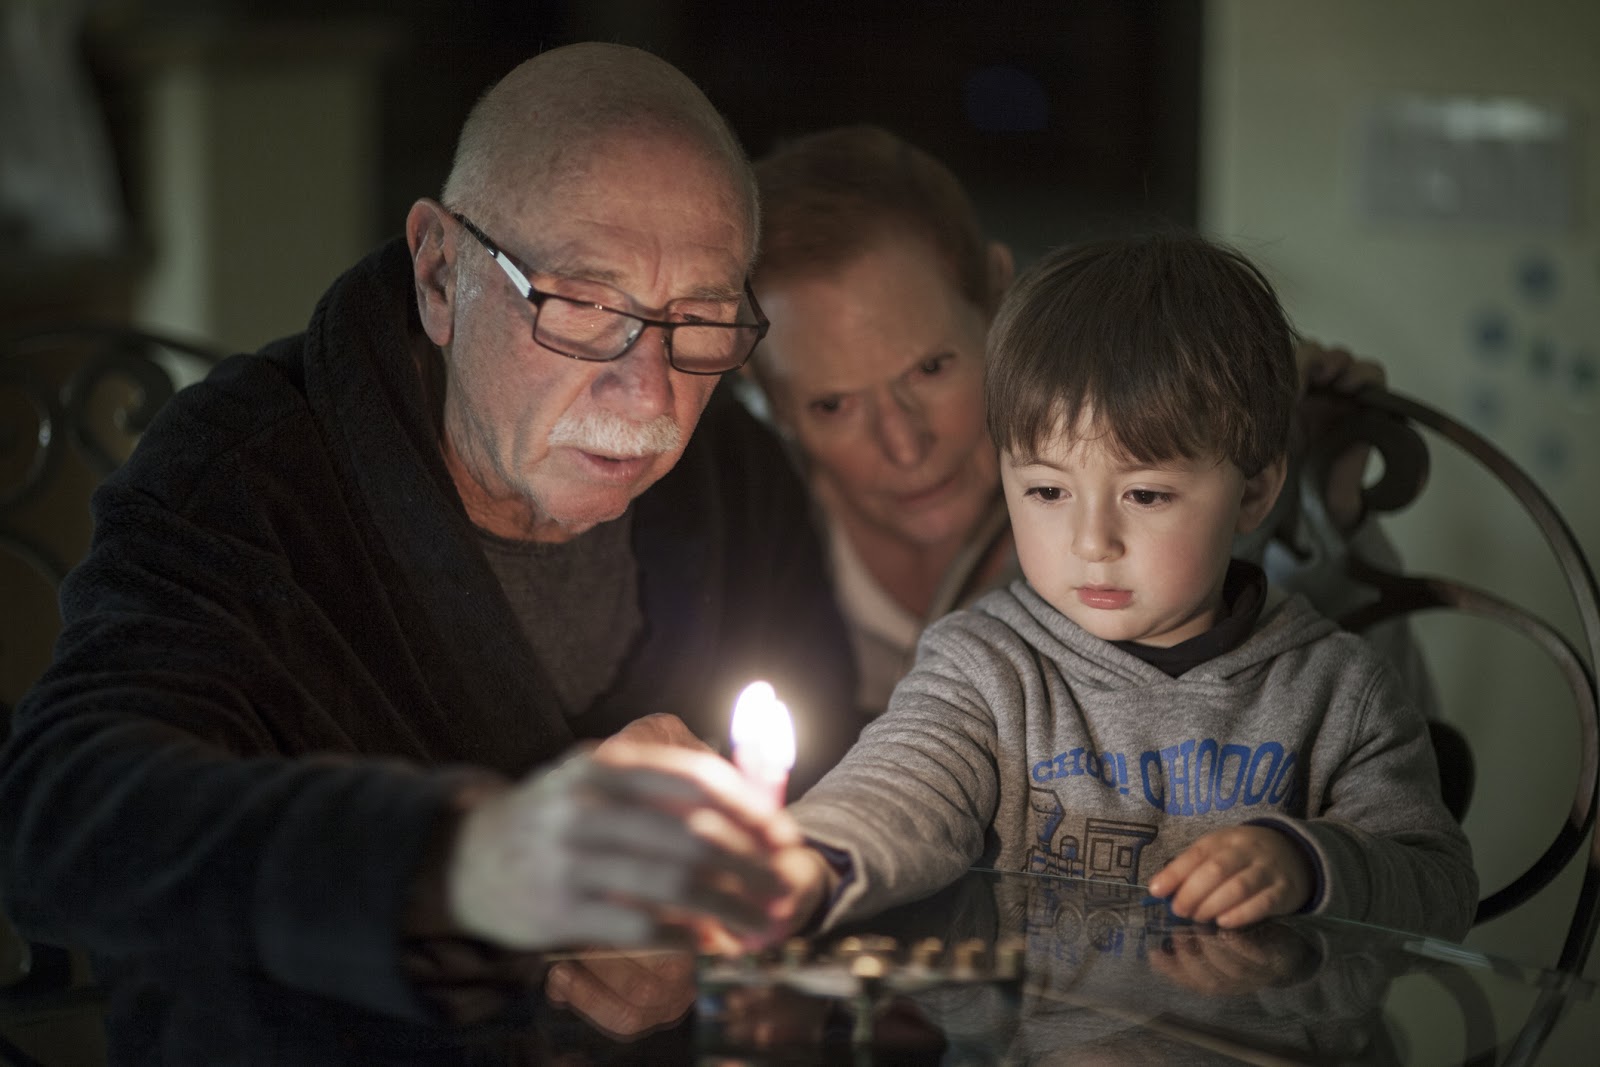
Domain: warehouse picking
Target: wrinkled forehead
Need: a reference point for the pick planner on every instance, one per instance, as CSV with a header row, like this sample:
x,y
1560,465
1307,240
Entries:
x,y
627,164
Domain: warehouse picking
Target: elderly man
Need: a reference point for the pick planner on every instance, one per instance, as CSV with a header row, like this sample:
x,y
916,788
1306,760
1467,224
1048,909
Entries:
x,y
355,596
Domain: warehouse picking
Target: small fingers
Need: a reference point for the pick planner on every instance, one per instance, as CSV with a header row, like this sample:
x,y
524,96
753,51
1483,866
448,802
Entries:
x,y
1254,906
1279,892
1236,876
1210,890
712,938
1170,877
1195,873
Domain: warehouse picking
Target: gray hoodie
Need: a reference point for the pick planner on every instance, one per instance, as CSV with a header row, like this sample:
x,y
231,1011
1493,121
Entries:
x,y
1021,742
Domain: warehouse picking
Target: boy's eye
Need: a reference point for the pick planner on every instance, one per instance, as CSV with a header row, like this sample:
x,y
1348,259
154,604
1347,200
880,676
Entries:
x,y
1148,497
1048,493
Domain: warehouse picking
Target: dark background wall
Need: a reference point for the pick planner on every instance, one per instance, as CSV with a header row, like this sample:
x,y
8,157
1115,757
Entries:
x,y
1065,119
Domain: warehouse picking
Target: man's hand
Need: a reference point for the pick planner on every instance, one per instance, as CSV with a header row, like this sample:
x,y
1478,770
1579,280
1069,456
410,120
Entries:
x,y
1339,370
624,845
1236,876
630,994
657,729
805,877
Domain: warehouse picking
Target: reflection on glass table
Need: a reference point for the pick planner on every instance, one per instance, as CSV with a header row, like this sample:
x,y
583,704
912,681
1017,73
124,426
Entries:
x,y
1025,969
996,969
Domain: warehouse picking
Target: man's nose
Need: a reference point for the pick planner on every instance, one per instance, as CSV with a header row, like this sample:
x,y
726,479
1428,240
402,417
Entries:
x,y
1095,537
642,378
902,429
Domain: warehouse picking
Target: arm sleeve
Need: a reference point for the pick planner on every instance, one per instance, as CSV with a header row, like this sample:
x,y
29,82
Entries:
x,y
912,802
147,807
464,978
1389,850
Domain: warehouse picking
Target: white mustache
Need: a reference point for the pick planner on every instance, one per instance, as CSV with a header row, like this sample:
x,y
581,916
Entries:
x,y
613,435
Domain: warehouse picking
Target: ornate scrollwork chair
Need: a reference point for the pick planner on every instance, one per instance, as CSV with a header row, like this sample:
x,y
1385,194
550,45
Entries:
x,y
73,402
1393,425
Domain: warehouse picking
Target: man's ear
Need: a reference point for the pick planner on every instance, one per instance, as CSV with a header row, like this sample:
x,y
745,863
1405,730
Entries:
x,y
431,239
1002,269
1260,493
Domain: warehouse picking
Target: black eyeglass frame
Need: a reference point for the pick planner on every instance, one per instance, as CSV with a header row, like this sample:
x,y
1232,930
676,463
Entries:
x,y
538,297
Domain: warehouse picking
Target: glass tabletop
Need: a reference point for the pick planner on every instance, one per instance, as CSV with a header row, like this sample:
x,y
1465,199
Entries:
x,y
1012,968
998,968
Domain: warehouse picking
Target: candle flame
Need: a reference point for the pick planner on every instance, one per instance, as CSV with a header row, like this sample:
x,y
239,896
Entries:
x,y
763,732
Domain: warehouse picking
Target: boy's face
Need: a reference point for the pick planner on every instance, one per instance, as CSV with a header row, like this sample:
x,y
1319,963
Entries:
x,y
1130,552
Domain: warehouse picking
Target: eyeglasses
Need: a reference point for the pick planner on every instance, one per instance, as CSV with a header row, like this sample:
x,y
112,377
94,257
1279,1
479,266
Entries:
x,y
583,329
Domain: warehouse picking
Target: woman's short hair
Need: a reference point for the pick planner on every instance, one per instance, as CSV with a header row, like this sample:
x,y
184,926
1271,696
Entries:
x,y
828,196
1174,345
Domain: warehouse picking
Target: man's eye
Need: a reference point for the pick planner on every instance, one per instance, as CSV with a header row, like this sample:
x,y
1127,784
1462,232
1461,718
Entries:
x,y
1147,498
1047,493
578,291
703,312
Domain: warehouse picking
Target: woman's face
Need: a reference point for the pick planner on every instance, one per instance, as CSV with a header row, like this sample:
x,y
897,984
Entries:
x,y
877,371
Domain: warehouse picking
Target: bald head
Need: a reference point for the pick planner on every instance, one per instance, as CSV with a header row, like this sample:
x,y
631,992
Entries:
x,y
538,125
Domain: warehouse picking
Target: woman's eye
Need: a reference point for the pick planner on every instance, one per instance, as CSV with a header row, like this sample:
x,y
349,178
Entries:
x,y
1048,493
1146,498
827,405
932,365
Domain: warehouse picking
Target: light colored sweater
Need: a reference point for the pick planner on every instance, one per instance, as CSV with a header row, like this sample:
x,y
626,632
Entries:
x,y
1019,741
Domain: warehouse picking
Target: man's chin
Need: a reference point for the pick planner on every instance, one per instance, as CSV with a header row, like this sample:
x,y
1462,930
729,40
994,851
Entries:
x,y
569,519
571,525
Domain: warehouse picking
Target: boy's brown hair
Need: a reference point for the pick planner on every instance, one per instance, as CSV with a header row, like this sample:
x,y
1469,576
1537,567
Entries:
x,y
829,196
1175,344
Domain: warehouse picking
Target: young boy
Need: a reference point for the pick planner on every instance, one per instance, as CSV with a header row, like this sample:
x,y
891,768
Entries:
x,y
1142,707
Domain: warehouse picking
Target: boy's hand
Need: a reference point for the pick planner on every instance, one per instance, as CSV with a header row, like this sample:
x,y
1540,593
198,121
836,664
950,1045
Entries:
x,y
811,882
808,882
1236,876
